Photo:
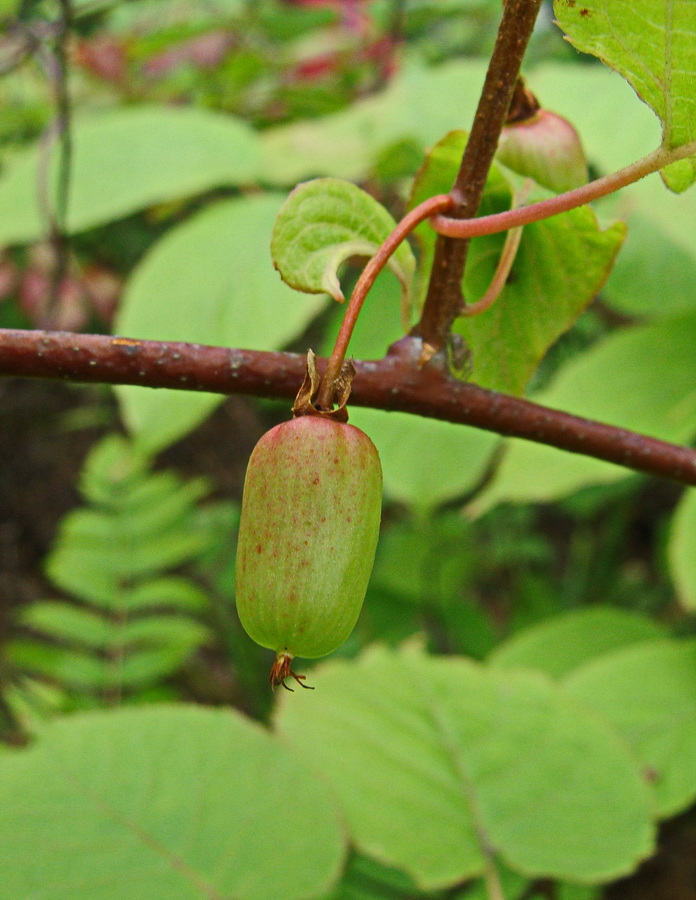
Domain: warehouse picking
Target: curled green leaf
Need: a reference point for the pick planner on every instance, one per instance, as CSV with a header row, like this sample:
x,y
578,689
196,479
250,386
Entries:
x,y
322,224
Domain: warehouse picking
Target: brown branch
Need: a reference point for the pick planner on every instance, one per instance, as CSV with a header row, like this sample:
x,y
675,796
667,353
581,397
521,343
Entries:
x,y
393,383
444,301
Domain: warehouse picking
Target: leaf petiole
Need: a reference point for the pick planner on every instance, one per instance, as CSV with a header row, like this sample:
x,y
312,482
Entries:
x,y
535,212
438,204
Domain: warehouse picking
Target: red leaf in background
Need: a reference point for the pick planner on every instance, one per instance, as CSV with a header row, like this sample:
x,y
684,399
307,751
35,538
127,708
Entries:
x,y
205,51
103,56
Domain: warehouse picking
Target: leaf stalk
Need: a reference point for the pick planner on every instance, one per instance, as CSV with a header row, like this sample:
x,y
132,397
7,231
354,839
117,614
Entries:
x,y
544,209
439,203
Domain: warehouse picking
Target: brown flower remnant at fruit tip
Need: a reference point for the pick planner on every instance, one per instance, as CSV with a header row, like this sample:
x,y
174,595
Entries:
x,y
280,670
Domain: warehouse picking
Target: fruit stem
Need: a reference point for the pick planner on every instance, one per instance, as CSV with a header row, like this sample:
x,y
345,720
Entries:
x,y
525,215
438,204
280,670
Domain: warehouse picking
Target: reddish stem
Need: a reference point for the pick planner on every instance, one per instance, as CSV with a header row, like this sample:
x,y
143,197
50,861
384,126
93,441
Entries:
x,y
525,215
425,210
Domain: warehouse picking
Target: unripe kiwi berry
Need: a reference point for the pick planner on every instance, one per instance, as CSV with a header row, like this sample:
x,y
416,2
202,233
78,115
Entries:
x,y
307,537
544,147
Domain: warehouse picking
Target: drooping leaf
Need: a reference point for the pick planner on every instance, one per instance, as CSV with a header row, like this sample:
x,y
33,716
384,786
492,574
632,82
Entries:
x,y
682,550
458,754
648,692
560,265
124,160
559,645
638,378
322,224
164,803
651,43
211,281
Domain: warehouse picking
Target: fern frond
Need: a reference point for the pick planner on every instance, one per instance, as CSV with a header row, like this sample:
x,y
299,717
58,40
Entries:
x,y
131,622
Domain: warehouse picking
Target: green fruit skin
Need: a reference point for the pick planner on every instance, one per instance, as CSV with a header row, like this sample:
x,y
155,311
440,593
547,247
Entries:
x,y
308,533
546,148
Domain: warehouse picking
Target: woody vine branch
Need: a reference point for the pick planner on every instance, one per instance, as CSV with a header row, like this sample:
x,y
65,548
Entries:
x,y
400,381
394,383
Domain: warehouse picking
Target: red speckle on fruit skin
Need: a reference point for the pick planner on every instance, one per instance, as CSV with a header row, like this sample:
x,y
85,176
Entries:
x,y
315,481
259,548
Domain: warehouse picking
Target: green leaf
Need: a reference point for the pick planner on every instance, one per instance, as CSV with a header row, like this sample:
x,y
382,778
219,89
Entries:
x,y
174,803
653,275
560,265
134,626
561,644
211,281
365,879
346,144
682,550
322,224
651,43
426,462
79,671
459,754
112,469
648,692
639,378
170,592
87,534
124,160
66,622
